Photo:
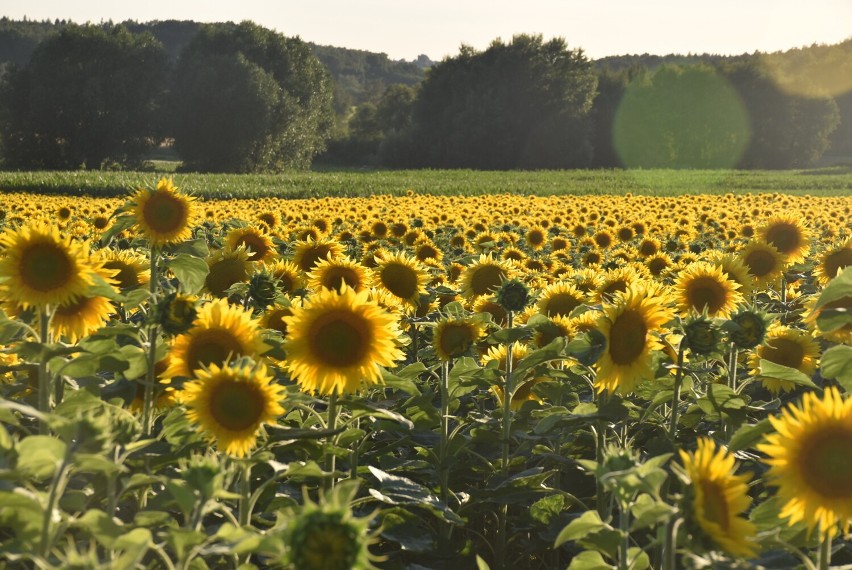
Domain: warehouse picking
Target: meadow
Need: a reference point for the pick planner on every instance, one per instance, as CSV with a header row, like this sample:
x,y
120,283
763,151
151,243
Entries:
x,y
832,181
587,370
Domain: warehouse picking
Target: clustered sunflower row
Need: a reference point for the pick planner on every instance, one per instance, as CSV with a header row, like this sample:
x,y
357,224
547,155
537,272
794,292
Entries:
x,y
526,371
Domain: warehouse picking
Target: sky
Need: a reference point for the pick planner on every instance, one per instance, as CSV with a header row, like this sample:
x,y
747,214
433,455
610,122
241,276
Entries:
x,y
404,29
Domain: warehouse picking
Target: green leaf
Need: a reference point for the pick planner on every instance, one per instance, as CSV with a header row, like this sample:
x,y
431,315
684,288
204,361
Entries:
x,y
101,526
481,564
190,271
553,351
589,560
365,408
637,559
22,513
195,247
514,334
648,512
833,318
836,363
134,545
120,224
837,288
182,540
410,531
39,456
395,490
769,369
749,435
545,509
585,524
403,380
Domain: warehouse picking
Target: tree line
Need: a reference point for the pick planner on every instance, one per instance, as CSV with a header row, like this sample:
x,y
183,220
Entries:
x,y
243,98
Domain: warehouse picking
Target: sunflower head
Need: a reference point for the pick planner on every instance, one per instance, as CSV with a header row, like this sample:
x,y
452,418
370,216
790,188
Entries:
x,y
39,267
221,332
832,261
231,403
810,459
402,276
334,273
262,289
788,235
227,268
764,262
716,499
702,335
164,215
326,535
257,242
131,270
747,328
703,287
513,295
175,313
453,337
338,340
484,276
788,347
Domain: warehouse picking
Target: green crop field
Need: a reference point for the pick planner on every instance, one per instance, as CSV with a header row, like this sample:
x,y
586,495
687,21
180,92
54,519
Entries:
x,y
836,181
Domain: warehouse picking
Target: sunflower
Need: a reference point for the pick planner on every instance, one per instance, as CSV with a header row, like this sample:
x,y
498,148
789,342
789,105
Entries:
x,y
788,347
536,238
484,276
231,403
716,499
734,267
132,270
402,276
164,215
810,455
764,262
273,318
426,250
842,334
488,304
333,273
453,338
628,325
616,281
80,317
557,326
339,340
227,268
788,235
560,298
288,274
256,242
220,332
38,267
832,261
703,286
658,263
309,252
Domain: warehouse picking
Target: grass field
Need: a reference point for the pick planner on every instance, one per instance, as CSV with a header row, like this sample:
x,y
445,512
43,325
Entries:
x,y
835,181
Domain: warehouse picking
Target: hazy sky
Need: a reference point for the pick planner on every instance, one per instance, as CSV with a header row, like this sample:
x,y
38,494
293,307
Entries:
x,y
407,28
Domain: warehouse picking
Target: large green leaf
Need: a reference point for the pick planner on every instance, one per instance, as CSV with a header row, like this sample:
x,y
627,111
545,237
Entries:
x,y
836,364
190,271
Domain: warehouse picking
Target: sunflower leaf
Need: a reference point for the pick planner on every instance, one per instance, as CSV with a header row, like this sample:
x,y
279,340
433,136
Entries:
x,y
837,288
120,224
836,364
749,434
769,369
190,271
589,560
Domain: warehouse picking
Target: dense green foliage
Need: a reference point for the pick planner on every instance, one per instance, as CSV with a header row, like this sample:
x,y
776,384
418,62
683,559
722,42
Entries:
x,y
522,104
247,99
90,97
526,104
821,182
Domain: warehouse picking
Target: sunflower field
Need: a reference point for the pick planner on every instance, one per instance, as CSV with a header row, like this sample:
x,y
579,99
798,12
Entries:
x,y
422,381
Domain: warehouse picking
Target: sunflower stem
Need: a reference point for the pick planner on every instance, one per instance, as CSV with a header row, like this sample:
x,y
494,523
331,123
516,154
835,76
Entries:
x,y
732,384
150,376
825,552
507,431
624,526
331,458
670,548
44,379
676,394
245,493
600,443
443,467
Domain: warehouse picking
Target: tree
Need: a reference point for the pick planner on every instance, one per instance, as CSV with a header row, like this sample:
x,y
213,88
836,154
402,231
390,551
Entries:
x,y
524,104
89,98
247,99
787,130
680,117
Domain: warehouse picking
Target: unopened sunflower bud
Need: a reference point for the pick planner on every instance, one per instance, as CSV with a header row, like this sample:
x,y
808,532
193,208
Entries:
x,y
513,295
